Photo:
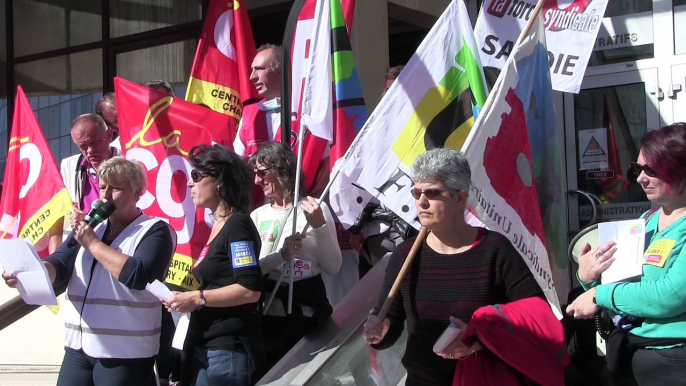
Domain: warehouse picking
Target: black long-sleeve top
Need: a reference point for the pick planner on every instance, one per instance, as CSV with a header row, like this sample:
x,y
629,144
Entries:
x,y
438,286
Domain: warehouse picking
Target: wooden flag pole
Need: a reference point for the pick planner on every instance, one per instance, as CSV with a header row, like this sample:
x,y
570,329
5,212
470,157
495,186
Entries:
x,y
532,20
401,275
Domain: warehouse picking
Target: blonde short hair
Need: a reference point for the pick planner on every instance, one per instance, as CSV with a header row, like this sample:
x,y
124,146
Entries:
x,y
121,167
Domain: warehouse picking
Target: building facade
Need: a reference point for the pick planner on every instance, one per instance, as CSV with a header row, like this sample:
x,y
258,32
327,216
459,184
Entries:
x,y
65,54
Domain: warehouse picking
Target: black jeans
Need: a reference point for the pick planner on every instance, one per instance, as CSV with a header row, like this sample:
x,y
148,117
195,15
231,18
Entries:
x,y
83,370
659,367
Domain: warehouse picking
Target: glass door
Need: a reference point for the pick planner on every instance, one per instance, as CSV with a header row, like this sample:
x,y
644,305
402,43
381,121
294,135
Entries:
x,y
608,118
677,91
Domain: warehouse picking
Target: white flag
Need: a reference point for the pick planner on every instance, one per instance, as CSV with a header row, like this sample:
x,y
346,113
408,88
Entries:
x,y
571,30
433,103
503,192
317,110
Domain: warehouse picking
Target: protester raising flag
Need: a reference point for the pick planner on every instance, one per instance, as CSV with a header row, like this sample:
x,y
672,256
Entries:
x,y
432,104
504,193
159,130
321,51
220,77
33,194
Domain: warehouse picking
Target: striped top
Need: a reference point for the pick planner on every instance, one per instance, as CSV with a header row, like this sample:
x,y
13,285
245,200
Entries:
x,y
438,286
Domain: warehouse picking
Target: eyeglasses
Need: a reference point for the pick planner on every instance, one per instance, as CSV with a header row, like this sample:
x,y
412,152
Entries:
x,y
263,172
638,168
197,176
431,193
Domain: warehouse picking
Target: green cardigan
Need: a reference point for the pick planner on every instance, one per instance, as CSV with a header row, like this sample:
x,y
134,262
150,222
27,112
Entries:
x,y
659,297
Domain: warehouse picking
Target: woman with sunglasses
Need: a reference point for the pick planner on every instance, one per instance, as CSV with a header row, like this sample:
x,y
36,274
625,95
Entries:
x,y
654,304
224,333
314,252
458,269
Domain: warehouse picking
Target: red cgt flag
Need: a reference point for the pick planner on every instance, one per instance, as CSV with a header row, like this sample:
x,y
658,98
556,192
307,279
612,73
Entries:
x,y
159,130
220,77
34,196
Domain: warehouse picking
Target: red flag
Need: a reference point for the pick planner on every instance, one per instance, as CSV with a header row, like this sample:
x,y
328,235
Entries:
x,y
159,130
348,13
614,167
34,196
220,77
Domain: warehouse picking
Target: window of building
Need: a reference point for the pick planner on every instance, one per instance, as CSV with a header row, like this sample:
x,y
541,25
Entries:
x,y
134,16
172,62
626,33
679,8
41,26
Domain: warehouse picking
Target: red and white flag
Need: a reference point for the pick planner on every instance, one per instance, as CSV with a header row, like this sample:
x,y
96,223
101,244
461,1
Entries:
x,y
33,194
159,130
503,192
220,77
321,51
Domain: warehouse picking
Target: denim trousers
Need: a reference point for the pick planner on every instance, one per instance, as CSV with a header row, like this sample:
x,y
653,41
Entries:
x,y
221,367
83,370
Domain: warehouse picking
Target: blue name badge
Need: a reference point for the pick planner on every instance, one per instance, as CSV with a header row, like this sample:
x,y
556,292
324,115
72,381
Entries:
x,y
243,254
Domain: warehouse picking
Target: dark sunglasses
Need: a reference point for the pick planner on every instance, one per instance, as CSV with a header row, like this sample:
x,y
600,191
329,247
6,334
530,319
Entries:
x,y
263,172
638,168
197,176
430,193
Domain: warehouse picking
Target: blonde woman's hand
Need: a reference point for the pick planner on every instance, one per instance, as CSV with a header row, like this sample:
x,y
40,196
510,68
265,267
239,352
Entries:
x,y
10,279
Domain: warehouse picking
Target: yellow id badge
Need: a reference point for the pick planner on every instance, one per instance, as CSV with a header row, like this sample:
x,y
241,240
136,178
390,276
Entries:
x,y
658,252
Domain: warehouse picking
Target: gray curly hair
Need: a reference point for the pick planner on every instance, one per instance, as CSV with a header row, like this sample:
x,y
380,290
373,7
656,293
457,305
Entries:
x,y
448,166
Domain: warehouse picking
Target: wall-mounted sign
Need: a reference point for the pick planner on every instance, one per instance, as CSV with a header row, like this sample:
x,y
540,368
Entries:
x,y
593,149
600,174
635,29
614,211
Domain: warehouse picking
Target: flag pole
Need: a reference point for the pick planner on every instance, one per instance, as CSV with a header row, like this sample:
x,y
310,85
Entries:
x,y
403,271
296,195
286,70
286,124
325,193
271,296
532,20
291,265
4,233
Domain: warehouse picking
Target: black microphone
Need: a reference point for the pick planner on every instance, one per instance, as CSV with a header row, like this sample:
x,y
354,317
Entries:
x,y
94,206
99,212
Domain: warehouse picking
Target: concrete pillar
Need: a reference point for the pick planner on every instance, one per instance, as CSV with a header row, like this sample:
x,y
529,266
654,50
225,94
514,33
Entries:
x,y
370,46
